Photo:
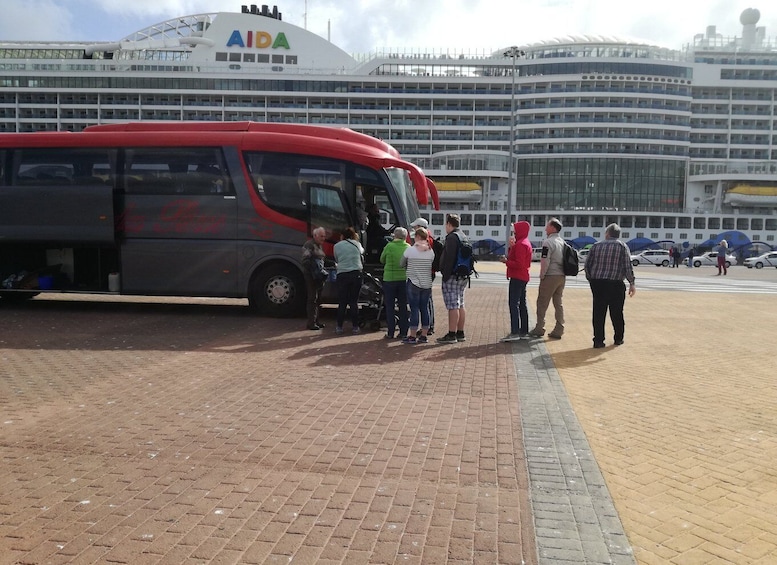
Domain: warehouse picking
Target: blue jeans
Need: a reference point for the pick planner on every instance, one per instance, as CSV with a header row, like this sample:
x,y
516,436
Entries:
x,y
418,299
519,312
395,291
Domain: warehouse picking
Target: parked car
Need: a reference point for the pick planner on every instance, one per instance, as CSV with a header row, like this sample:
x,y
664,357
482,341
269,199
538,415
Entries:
x,y
657,257
710,258
536,254
766,260
583,254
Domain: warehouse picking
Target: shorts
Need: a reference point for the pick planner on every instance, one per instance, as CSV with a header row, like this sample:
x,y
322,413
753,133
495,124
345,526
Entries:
x,y
453,293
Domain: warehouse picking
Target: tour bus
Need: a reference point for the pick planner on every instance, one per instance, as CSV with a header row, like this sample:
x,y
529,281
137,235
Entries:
x,y
191,208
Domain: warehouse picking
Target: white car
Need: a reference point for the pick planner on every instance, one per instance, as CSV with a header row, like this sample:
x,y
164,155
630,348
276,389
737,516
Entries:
x,y
766,260
657,257
710,258
536,254
583,254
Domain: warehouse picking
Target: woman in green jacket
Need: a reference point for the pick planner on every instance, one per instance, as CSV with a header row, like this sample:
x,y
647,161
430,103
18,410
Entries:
x,y
394,284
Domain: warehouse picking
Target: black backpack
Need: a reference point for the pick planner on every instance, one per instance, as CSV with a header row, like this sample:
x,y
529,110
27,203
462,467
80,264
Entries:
x,y
571,261
465,260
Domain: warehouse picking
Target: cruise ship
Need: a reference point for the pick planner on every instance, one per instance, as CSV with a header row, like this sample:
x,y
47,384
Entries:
x,y
678,146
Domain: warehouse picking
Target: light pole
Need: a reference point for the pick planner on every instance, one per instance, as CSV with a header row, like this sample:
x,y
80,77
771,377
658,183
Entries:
x,y
513,52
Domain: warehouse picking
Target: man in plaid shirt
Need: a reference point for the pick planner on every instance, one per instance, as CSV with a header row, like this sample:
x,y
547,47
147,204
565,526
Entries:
x,y
608,263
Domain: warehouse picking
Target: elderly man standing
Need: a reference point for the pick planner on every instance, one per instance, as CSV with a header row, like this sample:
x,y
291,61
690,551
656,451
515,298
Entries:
x,y
608,263
552,281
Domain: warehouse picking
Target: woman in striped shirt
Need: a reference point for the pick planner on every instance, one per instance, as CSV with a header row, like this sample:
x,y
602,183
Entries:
x,y
418,260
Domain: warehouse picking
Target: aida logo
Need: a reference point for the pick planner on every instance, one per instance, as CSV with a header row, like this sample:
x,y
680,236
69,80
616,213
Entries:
x,y
258,40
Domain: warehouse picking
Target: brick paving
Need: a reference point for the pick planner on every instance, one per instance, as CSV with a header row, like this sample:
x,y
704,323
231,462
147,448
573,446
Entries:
x,y
192,432
197,433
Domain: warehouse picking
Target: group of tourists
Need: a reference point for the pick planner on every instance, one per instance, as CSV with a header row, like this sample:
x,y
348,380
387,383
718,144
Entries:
x,y
413,258
607,266
409,272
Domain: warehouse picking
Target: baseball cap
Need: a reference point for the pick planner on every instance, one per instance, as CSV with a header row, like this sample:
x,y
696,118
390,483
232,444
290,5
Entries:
x,y
419,223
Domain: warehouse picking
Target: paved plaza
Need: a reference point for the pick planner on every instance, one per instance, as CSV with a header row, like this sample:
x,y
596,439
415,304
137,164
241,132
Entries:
x,y
190,431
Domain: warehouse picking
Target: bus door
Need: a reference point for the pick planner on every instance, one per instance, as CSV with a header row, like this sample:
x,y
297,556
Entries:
x,y
178,223
328,208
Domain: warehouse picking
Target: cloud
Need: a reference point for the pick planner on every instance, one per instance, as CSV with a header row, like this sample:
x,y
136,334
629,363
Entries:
x,y
35,20
362,26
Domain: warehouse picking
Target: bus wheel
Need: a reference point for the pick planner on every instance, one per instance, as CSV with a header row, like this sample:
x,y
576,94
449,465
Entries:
x,y
277,291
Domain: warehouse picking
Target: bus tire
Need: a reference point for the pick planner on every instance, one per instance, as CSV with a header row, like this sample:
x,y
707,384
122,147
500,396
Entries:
x,y
277,291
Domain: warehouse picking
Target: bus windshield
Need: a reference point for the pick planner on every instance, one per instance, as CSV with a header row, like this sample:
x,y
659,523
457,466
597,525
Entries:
x,y
405,192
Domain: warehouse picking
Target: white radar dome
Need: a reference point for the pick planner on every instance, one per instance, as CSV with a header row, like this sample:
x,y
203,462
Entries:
x,y
750,17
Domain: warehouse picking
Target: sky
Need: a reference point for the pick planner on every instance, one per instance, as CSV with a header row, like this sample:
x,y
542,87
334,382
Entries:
x,y
363,26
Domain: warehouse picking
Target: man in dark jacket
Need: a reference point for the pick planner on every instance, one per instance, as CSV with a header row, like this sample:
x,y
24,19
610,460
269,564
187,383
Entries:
x,y
453,287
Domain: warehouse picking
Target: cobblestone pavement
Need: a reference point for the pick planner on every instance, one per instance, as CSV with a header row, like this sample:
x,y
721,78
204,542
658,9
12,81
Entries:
x,y
168,431
198,433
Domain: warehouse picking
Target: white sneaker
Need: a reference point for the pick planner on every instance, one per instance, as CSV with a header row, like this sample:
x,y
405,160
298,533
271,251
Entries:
x,y
510,337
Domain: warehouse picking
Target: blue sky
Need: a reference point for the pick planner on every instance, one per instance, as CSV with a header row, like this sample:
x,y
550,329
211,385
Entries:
x,y
360,26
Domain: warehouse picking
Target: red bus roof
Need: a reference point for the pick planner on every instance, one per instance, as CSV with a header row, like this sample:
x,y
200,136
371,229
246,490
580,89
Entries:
x,y
341,143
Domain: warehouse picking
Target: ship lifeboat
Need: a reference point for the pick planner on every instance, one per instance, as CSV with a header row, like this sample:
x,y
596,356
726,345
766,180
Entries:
x,y
459,191
745,195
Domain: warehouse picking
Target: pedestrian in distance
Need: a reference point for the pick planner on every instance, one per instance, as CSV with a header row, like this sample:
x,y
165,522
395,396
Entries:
x,y
418,260
453,287
722,252
395,284
690,258
552,281
350,263
677,257
518,263
608,264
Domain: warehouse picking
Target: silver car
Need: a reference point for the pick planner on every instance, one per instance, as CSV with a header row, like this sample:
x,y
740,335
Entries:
x,y
766,260
710,258
657,257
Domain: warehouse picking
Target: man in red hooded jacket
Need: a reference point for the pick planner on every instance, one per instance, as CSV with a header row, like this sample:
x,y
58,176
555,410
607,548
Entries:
x,y
518,262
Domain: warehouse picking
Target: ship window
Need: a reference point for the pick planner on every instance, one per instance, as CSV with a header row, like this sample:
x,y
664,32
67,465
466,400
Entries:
x,y
654,235
668,235
627,221
597,222
466,219
625,235
640,235
655,222
728,223
683,236
495,233
249,57
221,56
596,234
742,224
699,223
684,223
479,233
234,57
670,222
480,220
582,222
640,222
539,220
713,223
263,58
756,237
277,58
757,224
699,236
438,219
